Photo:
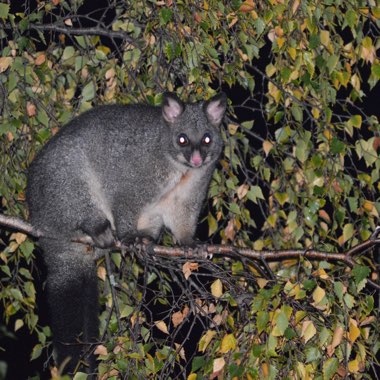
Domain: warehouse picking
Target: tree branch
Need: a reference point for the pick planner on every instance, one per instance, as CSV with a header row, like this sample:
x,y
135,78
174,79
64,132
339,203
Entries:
x,y
93,31
208,251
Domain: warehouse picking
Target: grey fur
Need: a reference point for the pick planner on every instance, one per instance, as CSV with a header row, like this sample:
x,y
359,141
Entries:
x,y
116,172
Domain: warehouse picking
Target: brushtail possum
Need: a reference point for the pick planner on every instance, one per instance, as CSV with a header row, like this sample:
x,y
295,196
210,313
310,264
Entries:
x,y
116,172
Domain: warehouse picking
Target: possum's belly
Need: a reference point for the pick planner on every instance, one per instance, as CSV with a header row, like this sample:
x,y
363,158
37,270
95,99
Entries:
x,y
166,208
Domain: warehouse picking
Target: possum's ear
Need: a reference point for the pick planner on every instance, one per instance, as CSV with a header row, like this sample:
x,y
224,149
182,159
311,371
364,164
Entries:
x,y
172,107
215,109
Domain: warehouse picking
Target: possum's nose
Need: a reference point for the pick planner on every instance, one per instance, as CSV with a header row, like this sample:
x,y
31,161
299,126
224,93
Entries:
x,y
196,159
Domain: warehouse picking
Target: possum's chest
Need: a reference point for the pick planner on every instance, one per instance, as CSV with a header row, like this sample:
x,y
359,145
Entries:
x,y
180,194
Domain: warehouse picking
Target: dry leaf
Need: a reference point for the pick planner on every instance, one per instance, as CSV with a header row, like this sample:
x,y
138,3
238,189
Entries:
x,y
179,316
242,191
5,62
68,22
218,366
180,351
230,230
324,215
188,268
30,109
247,6
161,325
19,237
308,330
101,350
337,338
267,146
295,6
40,59
102,273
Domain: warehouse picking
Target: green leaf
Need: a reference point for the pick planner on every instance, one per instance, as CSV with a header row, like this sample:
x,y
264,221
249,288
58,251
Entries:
x,y
4,10
351,18
314,41
262,320
297,112
282,323
312,354
68,53
329,368
375,69
197,363
360,272
338,290
36,352
255,193
355,121
337,146
165,15
212,224
88,92
80,376
348,232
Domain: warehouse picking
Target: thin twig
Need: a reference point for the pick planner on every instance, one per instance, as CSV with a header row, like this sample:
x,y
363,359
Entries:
x,y
112,282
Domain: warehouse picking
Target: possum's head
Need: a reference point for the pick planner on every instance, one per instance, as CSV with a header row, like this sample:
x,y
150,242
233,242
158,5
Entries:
x,y
196,139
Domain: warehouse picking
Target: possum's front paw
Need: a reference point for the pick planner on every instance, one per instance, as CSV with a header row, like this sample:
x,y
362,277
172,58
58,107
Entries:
x,y
103,236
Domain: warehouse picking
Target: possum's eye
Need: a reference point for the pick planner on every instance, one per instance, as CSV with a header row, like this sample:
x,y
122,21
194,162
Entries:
x,y
182,139
206,139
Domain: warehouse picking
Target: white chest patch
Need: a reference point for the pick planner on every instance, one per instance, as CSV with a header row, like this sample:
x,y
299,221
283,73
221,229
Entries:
x,y
164,209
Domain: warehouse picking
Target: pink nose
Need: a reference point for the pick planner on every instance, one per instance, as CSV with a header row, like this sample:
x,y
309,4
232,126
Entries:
x,y
196,159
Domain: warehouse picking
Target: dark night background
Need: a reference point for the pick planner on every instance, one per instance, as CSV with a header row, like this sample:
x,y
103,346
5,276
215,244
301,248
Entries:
x,y
16,349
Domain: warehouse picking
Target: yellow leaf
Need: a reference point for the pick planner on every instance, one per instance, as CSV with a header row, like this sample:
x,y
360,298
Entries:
x,y
355,81
274,92
318,294
353,366
308,330
292,52
232,128
205,340
325,37
192,376
228,343
217,288
280,41
321,273
18,324
315,112
270,69
161,325
353,330
368,205
262,282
